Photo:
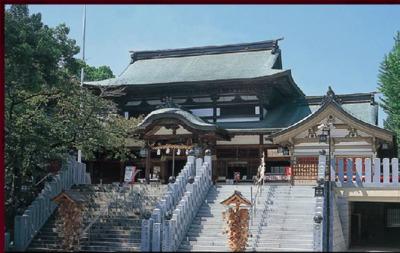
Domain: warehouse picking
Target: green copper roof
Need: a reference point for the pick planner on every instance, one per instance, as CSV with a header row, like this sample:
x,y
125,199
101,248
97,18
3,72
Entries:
x,y
207,67
363,111
287,115
277,118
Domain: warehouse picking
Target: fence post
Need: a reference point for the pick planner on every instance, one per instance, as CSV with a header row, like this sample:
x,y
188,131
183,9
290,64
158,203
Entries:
x,y
6,241
18,233
350,166
146,230
156,240
168,236
341,172
32,214
199,163
395,170
36,208
386,170
29,234
25,232
377,171
368,171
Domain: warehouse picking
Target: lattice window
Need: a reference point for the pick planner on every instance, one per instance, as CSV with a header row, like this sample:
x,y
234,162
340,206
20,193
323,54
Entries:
x,y
393,218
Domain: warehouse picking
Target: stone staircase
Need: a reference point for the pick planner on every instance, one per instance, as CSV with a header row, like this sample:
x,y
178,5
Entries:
x,y
205,232
118,229
286,222
283,220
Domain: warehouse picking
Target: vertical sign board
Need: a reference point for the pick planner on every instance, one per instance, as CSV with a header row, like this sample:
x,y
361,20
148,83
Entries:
x,y
129,171
236,175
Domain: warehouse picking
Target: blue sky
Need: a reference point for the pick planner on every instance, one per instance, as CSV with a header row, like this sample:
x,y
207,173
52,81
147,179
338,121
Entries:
x,y
337,45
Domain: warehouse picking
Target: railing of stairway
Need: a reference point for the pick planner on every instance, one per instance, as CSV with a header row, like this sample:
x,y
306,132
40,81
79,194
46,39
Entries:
x,y
26,226
167,226
254,202
126,183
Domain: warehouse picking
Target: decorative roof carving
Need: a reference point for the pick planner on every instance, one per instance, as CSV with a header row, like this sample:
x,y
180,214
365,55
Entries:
x,y
330,95
70,195
168,102
352,133
311,133
236,198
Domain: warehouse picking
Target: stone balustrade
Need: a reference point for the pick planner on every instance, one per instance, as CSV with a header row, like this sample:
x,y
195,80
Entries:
x,y
320,209
183,199
27,225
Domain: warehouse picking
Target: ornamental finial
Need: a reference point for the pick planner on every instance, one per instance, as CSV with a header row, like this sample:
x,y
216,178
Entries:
x,y
330,95
168,102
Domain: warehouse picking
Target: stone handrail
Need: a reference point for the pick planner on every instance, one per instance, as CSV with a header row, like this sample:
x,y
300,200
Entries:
x,y
320,209
27,225
183,199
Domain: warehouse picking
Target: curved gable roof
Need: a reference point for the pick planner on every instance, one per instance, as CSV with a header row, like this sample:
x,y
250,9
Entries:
x,y
345,116
181,115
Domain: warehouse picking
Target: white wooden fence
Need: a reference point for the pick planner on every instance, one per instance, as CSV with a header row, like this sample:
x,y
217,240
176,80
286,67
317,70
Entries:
x,y
371,173
27,225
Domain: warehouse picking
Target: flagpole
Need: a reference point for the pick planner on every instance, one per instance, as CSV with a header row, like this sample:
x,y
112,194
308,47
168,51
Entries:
x,y
83,66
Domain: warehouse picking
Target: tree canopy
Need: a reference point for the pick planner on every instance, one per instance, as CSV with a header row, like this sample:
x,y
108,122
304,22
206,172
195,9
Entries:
x,y
389,78
44,118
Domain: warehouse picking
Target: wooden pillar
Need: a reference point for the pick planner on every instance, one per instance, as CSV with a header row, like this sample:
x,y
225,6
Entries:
x,y
147,173
121,171
163,168
214,167
261,101
214,97
260,147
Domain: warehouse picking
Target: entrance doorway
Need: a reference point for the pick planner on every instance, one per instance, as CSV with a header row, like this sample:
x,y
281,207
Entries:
x,y
179,164
375,224
238,168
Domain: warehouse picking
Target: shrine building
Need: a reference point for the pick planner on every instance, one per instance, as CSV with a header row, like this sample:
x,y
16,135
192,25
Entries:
x,y
239,102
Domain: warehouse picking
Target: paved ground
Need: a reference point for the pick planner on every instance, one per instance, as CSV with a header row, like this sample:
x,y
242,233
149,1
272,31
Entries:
x,y
374,249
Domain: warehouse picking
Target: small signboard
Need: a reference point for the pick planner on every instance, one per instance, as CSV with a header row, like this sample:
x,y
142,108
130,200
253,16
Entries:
x,y
236,175
288,171
129,172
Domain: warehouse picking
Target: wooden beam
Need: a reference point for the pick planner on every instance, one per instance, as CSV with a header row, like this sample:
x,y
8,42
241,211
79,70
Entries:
x,y
336,139
355,147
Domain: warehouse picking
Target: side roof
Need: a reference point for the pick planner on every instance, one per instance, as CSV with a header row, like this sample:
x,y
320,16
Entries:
x,y
331,102
361,106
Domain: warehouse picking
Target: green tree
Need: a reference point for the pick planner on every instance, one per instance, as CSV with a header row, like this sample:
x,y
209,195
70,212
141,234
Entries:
x,y
97,74
43,116
389,78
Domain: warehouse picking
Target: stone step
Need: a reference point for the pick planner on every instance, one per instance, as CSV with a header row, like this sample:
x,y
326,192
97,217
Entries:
x,y
95,248
113,244
114,231
130,220
255,224
221,243
185,248
269,249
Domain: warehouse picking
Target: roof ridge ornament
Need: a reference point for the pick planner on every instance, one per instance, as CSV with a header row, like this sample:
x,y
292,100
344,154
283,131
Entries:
x,y
168,102
331,96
